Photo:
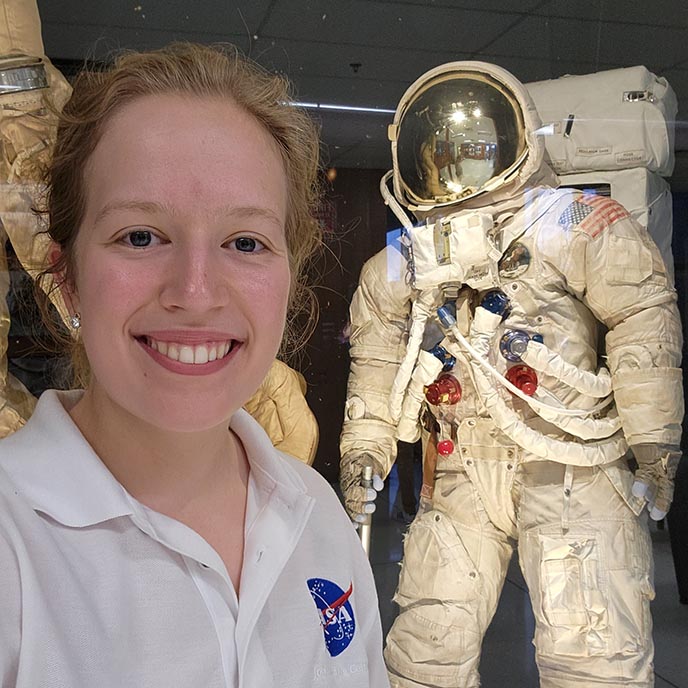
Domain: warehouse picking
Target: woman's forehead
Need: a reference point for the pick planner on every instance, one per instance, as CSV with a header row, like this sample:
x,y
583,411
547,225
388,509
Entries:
x,y
172,149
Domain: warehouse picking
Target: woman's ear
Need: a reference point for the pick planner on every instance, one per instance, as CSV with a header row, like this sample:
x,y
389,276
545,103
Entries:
x,y
64,284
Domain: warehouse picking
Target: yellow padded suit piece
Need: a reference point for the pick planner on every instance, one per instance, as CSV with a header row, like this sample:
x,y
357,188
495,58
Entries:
x,y
279,405
27,131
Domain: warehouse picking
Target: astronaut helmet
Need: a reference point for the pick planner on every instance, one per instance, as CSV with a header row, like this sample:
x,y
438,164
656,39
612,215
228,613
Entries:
x,y
459,131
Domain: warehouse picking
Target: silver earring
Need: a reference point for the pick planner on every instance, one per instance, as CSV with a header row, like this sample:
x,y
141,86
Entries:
x,y
75,321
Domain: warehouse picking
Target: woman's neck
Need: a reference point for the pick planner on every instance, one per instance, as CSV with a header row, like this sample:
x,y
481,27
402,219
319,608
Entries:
x,y
168,471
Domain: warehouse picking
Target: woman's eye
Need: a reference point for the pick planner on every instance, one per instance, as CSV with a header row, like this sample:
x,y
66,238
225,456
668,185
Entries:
x,y
139,238
248,244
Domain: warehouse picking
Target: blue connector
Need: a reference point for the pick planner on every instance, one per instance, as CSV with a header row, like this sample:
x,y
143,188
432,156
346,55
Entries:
x,y
447,316
440,352
496,301
514,343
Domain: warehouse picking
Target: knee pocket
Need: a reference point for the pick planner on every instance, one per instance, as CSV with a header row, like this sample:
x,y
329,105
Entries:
x,y
437,565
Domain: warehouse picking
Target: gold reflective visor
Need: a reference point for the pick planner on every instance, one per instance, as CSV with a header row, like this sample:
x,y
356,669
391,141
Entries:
x,y
459,134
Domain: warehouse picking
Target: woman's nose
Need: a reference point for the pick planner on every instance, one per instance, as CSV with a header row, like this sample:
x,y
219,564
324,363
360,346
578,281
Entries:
x,y
196,280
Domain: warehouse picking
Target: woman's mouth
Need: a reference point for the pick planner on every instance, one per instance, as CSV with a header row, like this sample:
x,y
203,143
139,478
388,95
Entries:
x,y
196,354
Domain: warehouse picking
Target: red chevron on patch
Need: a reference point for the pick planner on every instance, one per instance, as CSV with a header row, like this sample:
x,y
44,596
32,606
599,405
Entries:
x,y
606,212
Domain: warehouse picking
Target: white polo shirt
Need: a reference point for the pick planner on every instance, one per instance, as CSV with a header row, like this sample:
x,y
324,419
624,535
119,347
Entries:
x,y
99,591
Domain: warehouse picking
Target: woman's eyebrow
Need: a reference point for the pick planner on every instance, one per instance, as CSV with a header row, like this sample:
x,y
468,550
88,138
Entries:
x,y
150,207
153,207
249,211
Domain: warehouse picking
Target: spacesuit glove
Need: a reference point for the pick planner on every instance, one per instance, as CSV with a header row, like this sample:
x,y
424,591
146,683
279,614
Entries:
x,y
654,479
359,501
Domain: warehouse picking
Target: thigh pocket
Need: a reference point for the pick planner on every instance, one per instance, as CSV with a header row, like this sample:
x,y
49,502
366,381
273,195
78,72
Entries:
x,y
573,595
436,564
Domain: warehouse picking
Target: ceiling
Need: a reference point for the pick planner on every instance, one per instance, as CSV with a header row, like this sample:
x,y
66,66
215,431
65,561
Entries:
x,y
366,52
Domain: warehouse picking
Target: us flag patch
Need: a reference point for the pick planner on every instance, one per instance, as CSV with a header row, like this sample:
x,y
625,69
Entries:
x,y
592,214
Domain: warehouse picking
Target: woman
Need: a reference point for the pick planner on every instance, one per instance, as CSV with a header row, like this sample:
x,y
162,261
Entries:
x,y
150,535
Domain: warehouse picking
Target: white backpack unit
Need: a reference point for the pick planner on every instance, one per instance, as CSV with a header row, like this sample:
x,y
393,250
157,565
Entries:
x,y
612,133
611,120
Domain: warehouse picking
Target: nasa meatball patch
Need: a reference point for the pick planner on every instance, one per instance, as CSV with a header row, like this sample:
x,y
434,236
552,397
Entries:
x,y
336,613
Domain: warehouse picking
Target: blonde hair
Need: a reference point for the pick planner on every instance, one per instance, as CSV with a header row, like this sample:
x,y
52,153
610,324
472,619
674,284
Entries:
x,y
202,71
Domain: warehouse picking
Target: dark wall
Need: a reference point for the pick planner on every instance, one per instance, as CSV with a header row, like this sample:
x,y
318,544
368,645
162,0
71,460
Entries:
x,y
355,221
679,248
678,515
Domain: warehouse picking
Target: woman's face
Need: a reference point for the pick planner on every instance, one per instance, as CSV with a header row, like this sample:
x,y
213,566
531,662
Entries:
x,y
181,264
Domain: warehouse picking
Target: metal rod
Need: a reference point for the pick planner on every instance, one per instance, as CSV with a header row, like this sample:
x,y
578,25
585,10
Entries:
x,y
366,527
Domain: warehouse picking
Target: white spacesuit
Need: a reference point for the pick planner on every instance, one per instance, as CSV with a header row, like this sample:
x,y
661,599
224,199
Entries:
x,y
531,335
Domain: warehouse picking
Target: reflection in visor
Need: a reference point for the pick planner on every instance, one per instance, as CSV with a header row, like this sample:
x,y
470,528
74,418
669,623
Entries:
x,y
479,151
457,135
465,149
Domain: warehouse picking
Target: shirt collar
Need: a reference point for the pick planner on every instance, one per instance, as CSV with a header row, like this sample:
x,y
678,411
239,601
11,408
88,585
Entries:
x,y
56,469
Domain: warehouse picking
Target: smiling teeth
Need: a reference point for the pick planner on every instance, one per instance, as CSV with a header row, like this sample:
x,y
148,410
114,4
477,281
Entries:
x,y
198,355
